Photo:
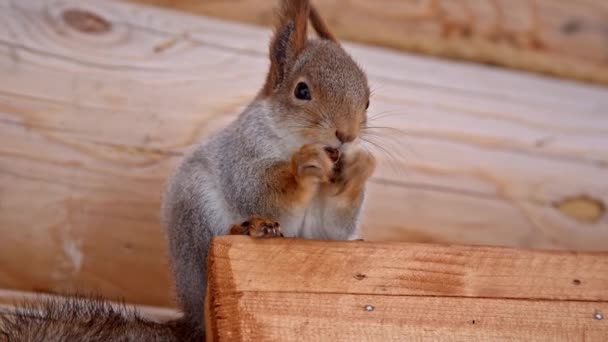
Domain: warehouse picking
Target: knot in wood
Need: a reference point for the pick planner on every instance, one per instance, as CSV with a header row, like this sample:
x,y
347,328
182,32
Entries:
x,y
359,276
583,208
85,21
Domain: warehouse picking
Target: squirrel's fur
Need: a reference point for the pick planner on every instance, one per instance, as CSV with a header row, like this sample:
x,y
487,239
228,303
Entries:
x,y
271,160
292,157
85,318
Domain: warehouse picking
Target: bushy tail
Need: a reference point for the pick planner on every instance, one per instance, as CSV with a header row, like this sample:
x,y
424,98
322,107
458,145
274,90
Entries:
x,y
79,318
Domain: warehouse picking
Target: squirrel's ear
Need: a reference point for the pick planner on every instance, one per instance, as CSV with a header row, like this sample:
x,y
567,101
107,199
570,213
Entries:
x,y
319,25
289,40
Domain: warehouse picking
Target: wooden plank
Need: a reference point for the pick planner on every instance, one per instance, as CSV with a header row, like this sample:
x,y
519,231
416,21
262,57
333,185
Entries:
x,y
559,37
406,269
92,123
281,316
294,290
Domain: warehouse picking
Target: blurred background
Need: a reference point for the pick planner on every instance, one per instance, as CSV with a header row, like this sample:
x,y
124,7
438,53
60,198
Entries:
x,y
491,116
567,38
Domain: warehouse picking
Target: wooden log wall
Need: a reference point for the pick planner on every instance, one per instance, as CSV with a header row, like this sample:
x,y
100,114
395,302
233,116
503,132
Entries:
x,y
99,100
566,38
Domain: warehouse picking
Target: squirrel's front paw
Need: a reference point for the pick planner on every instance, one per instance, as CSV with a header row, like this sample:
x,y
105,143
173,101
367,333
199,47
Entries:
x,y
315,161
258,227
352,171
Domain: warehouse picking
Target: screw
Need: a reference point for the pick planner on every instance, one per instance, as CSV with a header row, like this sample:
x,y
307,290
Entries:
x,y
369,308
598,316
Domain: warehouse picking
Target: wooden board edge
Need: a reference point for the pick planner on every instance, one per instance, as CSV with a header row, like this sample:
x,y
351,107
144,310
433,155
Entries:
x,y
216,262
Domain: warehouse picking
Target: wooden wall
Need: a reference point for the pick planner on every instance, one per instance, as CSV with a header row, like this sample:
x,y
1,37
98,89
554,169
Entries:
x,y
566,38
99,100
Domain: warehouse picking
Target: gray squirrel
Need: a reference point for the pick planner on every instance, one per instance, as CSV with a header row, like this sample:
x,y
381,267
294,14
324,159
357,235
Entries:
x,y
292,164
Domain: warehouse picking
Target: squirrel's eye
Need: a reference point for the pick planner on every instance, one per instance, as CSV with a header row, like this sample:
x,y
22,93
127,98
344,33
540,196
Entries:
x,y
302,92
367,104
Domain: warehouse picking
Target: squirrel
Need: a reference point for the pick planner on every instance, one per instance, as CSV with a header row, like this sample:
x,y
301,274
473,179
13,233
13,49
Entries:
x,y
292,164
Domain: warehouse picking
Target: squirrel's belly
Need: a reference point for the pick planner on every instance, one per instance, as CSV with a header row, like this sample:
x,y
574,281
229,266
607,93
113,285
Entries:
x,y
311,226
311,222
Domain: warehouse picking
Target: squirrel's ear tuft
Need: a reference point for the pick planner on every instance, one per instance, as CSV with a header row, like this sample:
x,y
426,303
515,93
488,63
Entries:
x,y
319,25
289,40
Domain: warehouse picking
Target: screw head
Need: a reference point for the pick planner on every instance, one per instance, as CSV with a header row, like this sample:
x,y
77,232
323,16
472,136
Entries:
x,y
369,308
598,316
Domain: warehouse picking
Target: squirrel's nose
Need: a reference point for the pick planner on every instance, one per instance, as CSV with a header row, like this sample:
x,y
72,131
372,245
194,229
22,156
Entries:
x,y
344,138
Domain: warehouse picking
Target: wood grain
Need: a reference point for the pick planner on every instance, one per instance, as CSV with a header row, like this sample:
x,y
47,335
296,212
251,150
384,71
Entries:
x,y
94,116
406,269
280,316
294,290
559,37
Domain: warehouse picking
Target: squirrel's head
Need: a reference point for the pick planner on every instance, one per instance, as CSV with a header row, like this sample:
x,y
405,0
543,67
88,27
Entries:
x,y
318,92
